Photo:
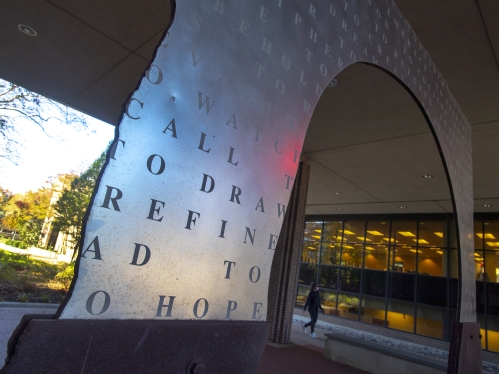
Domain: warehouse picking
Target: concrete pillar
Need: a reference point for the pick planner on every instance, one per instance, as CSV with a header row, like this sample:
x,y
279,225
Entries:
x,y
285,265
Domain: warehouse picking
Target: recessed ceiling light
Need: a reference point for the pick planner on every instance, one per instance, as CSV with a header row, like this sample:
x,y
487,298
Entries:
x,y
333,83
427,176
487,205
402,207
26,30
337,193
340,208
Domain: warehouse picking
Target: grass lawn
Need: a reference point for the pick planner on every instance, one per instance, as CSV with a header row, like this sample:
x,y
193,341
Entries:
x,y
27,280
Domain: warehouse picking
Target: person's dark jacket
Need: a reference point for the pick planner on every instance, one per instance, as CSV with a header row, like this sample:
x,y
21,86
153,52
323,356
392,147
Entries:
x,y
313,301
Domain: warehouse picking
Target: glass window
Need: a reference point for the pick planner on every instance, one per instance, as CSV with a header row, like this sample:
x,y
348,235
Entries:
x,y
377,232
350,280
492,333
452,267
328,299
432,233
432,290
479,265
333,231
401,286
351,254
354,231
403,259
348,306
330,253
480,297
430,321
310,252
491,238
478,228
374,283
373,311
489,266
492,298
453,288
308,274
328,276
301,296
430,260
375,256
452,242
313,231
480,318
404,233
400,316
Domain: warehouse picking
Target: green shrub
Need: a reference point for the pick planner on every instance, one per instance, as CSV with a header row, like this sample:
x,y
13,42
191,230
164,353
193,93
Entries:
x,y
66,276
23,297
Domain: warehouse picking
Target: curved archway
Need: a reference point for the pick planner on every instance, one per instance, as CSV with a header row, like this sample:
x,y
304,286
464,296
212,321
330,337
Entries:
x,y
225,107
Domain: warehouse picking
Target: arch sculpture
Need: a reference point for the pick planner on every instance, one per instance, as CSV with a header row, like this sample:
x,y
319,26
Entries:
x,y
188,209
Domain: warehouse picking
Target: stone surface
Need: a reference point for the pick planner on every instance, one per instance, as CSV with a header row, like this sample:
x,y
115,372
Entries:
x,y
133,346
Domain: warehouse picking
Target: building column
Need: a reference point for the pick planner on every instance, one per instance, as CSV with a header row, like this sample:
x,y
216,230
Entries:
x,y
286,262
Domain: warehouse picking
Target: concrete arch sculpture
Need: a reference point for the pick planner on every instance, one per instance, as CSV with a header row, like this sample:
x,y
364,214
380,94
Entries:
x,y
187,212
189,207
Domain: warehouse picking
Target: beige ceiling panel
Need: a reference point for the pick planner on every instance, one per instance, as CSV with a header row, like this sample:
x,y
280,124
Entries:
x,y
490,12
455,37
391,170
113,89
147,50
446,205
325,184
366,105
491,205
485,160
62,60
380,208
129,22
310,211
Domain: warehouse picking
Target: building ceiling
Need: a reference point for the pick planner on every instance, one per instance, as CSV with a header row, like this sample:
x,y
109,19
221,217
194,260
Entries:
x,y
367,139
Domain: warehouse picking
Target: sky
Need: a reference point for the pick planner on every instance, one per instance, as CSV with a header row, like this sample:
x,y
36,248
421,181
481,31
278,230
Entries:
x,y
62,150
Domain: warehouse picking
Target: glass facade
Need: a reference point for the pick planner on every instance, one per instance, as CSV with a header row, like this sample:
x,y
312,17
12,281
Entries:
x,y
400,273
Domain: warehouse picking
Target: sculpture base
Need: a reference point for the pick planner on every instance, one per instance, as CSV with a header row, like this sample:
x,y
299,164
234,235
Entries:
x,y
137,346
465,352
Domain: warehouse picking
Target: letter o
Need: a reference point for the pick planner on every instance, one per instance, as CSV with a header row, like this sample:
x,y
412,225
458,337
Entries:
x,y
206,307
385,39
90,302
353,56
160,75
251,273
286,63
161,165
356,20
323,69
279,85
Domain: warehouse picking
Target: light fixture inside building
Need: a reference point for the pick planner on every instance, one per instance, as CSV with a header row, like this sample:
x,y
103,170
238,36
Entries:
x,y
27,30
402,207
427,176
337,193
487,205
340,208
333,83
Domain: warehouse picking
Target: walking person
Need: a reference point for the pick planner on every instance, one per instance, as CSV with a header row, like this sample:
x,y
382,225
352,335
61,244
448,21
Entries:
x,y
314,304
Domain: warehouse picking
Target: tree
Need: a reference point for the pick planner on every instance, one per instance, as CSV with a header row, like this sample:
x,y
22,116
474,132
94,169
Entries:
x,y
18,103
5,196
73,203
25,214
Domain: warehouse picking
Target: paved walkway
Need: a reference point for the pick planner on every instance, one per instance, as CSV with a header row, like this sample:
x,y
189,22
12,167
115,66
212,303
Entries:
x,y
305,355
